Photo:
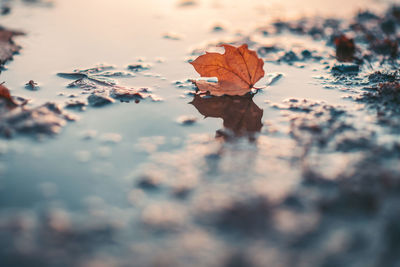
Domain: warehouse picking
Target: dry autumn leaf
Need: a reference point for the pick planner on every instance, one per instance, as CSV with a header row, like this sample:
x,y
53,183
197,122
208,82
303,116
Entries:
x,y
237,70
345,48
5,94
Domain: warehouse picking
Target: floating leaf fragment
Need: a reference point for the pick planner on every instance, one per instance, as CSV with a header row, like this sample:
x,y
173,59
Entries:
x,y
6,96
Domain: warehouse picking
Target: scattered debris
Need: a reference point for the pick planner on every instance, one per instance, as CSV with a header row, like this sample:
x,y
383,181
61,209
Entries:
x,y
127,95
273,77
5,10
219,27
103,90
94,76
149,182
7,46
187,120
139,66
76,104
31,85
99,100
382,77
187,3
47,119
346,68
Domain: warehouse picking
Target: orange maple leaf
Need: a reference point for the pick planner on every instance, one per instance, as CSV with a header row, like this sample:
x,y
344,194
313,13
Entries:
x,y
237,70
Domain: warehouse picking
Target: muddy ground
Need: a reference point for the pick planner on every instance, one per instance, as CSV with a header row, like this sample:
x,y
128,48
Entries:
x,y
109,157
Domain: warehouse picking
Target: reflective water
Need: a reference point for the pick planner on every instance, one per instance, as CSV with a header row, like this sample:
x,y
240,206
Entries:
x,y
100,168
80,34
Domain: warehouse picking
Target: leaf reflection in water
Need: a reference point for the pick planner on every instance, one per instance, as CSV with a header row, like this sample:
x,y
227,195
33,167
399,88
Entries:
x,y
240,114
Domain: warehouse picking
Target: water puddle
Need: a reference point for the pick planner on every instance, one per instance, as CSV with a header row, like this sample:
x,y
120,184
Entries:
x,y
116,161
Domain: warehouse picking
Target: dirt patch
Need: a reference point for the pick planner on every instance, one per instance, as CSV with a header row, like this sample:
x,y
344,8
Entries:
x,y
8,48
101,85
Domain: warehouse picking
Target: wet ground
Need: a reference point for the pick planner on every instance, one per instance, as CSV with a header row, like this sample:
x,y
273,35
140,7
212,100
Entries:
x,y
113,160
